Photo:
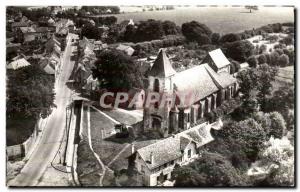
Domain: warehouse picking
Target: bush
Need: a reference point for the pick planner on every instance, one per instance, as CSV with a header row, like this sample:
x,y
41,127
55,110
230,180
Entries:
x,y
195,31
239,50
231,37
215,38
212,169
262,59
278,125
252,61
283,60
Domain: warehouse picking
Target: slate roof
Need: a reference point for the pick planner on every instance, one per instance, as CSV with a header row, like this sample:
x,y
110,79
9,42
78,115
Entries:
x,y
163,152
218,58
195,82
171,148
18,64
162,66
222,79
20,24
27,30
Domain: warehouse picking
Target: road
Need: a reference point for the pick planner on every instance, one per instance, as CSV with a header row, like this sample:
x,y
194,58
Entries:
x,y
52,135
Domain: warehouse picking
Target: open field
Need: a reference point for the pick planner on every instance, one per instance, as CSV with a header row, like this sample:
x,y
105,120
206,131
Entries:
x,y
218,19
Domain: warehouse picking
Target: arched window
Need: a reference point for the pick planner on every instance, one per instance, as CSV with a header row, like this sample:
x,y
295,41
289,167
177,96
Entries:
x,y
156,85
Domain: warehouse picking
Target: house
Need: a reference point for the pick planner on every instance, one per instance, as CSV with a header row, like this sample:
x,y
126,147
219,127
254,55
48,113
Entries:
x,y
126,49
53,45
81,75
192,93
157,161
17,25
217,61
26,34
17,64
48,66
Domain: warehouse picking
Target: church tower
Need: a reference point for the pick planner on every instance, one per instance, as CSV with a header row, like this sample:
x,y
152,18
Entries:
x,y
156,116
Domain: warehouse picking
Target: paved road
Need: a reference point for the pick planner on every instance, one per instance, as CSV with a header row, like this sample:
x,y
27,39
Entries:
x,y
53,132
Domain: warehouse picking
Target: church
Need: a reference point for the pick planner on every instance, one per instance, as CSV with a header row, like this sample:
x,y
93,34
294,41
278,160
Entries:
x,y
207,85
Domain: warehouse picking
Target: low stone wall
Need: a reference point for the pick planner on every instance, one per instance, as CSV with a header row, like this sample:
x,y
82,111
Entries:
x,y
21,150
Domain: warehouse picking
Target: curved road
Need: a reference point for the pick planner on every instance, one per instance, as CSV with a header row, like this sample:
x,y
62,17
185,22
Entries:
x,y
53,132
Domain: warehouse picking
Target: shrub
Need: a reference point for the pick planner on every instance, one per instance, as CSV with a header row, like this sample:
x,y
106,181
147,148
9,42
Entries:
x,y
283,60
252,61
262,59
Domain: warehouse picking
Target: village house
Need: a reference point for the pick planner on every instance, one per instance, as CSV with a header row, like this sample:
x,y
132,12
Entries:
x,y
17,64
126,49
198,91
156,162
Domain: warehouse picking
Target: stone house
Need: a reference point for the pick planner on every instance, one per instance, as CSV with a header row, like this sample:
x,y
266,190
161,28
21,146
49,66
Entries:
x,y
197,91
156,162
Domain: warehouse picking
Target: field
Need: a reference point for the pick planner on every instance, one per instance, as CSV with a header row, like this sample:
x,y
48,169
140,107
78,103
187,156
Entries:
x,y
218,19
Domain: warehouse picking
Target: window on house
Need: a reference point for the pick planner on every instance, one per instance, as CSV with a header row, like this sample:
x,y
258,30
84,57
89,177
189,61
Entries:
x,y
189,153
142,169
165,165
172,162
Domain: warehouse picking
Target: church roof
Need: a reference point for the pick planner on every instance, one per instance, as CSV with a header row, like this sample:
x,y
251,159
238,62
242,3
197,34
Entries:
x,y
162,66
222,79
194,83
218,58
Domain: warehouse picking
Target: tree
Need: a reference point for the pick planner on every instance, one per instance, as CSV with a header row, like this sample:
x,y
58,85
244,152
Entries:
x,y
278,125
29,92
239,50
215,38
247,81
264,120
169,28
117,71
91,32
195,31
278,152
149,30
266,75
283,60
262,49
211,169
230,37
252,61
251,7
274,57
248,134
130,33
262,59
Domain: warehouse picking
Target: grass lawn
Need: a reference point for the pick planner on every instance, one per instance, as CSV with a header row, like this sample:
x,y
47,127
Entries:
x,y
100,122
18,129
122,117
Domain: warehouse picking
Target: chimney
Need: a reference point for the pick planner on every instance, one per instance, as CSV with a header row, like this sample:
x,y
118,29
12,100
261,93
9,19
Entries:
x,y
151,158
132,148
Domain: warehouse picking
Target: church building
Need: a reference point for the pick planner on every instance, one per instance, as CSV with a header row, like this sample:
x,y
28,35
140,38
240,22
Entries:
x,y
206,86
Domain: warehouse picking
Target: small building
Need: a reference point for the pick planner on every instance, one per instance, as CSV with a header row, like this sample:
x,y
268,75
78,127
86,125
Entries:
x,y
157,161
48,66
17,64
126,49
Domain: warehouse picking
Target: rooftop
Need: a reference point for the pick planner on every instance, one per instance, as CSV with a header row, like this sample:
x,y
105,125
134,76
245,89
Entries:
x,y
162,66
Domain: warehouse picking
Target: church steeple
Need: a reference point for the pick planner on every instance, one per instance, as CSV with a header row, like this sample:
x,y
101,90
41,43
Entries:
x,y
162,66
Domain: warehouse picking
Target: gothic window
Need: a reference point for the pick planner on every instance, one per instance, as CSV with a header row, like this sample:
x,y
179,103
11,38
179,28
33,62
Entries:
x,y
156,85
